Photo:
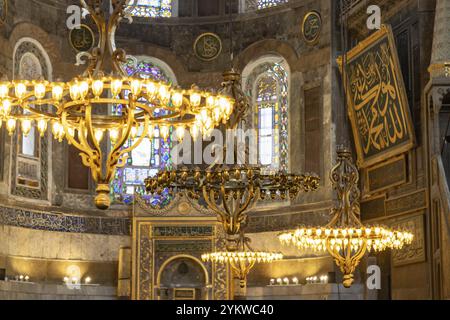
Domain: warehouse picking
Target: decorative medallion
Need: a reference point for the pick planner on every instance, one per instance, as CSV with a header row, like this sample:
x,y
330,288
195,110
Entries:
x,y
82,39
312,27
208,46
3,11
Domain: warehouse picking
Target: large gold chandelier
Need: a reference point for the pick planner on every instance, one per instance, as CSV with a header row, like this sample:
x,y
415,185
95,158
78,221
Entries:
x,y
78,110
345,238
231,191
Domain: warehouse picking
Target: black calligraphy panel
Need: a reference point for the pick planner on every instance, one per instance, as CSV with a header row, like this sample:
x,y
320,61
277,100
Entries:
x,y
377,102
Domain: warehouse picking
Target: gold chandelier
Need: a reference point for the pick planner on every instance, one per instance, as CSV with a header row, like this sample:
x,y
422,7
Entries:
x,y
231,192
78,110
243,259
345,238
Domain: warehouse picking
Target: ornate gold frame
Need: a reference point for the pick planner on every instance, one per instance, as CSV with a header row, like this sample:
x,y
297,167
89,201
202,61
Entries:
x,y
385,31
317,38
90,31
142,230
203,35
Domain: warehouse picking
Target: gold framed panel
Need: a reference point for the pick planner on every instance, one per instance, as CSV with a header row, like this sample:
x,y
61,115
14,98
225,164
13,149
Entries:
x,y
144,274
315,39
416,252
184,294
217,50
377,103
404,179
86,28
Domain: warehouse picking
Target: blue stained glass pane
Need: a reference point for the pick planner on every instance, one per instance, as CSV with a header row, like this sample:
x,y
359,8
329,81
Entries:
x,y
149,157
268,85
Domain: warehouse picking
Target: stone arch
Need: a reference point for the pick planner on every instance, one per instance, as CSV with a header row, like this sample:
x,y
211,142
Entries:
x,y
279,69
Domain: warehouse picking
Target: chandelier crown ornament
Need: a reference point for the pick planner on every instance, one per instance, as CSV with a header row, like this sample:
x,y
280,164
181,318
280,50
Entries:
x,y
79,110
345,238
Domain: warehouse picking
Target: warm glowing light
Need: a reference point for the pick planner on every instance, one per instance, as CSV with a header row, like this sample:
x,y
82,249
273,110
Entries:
x,y
11,126
42,126
196,99
20,90
116,87
114,135
39,90
57,92
136,87
26,126
97,88
177,99
165,131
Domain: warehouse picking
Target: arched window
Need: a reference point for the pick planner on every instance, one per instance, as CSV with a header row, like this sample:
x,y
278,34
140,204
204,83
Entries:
x,y
266,81
29,158
151,155
154,8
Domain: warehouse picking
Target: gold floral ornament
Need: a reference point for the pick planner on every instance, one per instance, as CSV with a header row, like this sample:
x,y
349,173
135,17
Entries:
x,y
243,260
78,110
345,238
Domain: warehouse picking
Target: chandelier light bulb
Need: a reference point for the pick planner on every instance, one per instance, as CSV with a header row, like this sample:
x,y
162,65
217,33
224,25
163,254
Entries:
x,y
97,88
57,92
25,127
195,131
20,89
116,87
84,89
40,90
151,89
4,90
177,99
99,135
6,107
136,87
210,101
42,127
114,135
11,126
180,133
195,99
56,129
165,131
74,91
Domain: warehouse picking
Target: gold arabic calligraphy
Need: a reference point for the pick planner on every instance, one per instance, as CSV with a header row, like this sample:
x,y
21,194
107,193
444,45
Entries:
x,y
380,116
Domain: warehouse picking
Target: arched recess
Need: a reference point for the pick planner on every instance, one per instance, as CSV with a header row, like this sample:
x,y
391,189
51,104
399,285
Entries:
x,y
29,174
266,80
195,263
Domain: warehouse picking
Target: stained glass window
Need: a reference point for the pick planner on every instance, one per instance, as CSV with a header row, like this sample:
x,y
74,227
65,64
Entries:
x,y
262,4
152,8
268,85
150,156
